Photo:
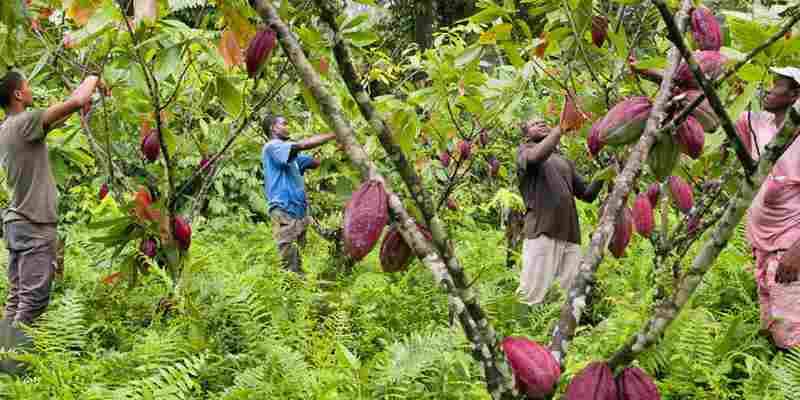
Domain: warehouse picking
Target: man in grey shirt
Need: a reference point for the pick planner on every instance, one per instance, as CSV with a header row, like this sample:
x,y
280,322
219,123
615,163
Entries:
x,y
29,222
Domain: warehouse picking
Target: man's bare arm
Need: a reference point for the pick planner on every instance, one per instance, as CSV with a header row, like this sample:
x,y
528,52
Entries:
x,y
312,142
60,111
533,153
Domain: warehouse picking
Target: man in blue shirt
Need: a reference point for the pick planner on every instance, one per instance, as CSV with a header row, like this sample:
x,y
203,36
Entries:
x,y
284,168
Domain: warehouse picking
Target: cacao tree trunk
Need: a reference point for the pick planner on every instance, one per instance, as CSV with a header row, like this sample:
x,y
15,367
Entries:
x,y
424,24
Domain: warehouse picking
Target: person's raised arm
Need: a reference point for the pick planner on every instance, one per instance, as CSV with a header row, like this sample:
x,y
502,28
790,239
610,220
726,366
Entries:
x,y
581,190
314,141
80,96
533,153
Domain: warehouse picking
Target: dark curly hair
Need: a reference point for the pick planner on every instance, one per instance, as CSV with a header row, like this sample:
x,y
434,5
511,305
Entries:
x,y
11,82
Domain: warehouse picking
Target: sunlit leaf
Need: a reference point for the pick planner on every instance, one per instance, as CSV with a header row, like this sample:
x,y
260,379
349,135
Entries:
x,y
229,49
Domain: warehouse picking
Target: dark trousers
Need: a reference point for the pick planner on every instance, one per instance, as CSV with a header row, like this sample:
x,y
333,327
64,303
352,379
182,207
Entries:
x,y
31,266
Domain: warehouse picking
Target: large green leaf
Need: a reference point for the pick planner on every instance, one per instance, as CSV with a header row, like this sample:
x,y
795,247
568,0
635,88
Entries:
x,y
230,96
167,62
361,38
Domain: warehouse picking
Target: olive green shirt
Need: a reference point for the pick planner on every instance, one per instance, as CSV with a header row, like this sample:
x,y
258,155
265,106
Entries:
x,y
25,159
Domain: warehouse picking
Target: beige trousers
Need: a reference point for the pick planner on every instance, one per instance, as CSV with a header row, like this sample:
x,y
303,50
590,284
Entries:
x,y
543,260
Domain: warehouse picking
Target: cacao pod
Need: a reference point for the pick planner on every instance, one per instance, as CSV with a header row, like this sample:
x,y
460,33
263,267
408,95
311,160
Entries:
x,y
623,230
571,118
595,382
103,191
536,372
494,167
704,113
681,193
783,94
691,138
365,216
444,158
663,157
711,64
755,124
593,140
653,193
599,30
451,204
465,148
182,232
634,384
148,247
259,50
396,254
705,29
643,215
625,121
151,147
483,137
204,163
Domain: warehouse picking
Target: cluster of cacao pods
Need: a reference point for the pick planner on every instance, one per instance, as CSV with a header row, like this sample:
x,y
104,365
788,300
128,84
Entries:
x,y
259,49
151,146
396,254
536,372
596,382
365,216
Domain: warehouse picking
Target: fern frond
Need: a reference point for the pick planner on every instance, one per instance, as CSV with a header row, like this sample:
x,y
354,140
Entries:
x,y
176,382
178,5
62,329
787,374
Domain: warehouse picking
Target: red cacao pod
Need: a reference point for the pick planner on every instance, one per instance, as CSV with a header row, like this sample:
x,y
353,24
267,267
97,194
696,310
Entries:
x,y
599,30
643,218
396,254
593,141
451,204
705,29
711,64
653,193
465,148
704,113
204,163
623,230
259,50
595,382
494,166
691,138
784,93
483,137
365,216
148,247
755,124
635,384
681,193
183,232
625,121
444,158
151,146
535,370
663,157
103,191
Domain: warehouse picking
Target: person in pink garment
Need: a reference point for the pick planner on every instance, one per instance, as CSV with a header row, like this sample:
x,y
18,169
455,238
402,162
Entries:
x,y
773,223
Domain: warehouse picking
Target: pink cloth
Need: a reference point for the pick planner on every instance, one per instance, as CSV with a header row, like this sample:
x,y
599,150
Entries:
x,y
773,225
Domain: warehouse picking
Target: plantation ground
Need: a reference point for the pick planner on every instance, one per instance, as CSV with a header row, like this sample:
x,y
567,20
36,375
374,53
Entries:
x,y
250,331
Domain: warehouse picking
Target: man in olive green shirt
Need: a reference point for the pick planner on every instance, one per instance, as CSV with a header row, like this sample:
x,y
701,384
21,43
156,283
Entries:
x,y
29,222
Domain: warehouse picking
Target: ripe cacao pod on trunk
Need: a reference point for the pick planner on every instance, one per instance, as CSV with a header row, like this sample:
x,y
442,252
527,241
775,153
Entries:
x,y
103,191
536,372
625,121
784,93
465,148
595,382
705,29
712,65
691,138
365,216
259,50
663,157
653,193
681,193
494,166
483,137
623,230
396,254
635,384
599,30
643,215
148,247
704,113
151,146
755,124
182,232
444,158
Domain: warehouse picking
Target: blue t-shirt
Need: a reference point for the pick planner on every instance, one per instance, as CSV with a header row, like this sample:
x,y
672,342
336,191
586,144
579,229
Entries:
x,y
283,178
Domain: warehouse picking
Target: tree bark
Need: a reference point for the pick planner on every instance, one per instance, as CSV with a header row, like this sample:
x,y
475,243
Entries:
x,y
424,24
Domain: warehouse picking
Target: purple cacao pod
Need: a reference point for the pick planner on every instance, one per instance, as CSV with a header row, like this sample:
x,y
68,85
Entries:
x,y
635,384
259,49
148,247
465,148
784,93
704,113
625,121
755,124
183,232
396,254
593,141
705,29
643,215
595,382
365,216
103,191
681,193
444,158
204,164
494,166
483,137
653,193
599,30
691,138
536,372
712,65
623,230
151,146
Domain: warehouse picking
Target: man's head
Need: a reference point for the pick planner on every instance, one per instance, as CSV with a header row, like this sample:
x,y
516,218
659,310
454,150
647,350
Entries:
x,y
276,127
534,130
783,94
14,89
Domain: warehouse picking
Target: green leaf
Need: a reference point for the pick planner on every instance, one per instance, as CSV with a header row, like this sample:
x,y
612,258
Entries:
x,y
469,55
137,78
167,62
355,22
606,174
311,102
741,102
620,42
512,52
748,34
230,96
108,223
361,38
752,73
